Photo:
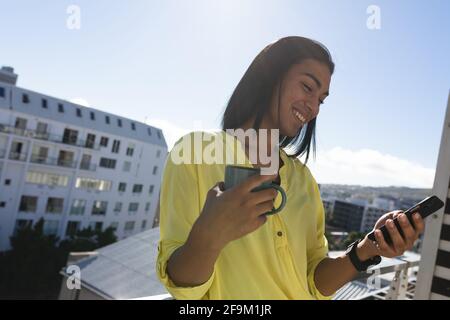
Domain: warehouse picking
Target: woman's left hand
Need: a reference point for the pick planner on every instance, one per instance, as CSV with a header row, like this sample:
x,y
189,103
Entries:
x,y
399,244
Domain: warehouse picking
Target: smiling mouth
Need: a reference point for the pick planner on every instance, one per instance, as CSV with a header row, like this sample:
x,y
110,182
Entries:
x,y
298,116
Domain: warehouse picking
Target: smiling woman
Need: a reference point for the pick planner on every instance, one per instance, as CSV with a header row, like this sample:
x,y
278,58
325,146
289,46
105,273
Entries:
x,y
218,243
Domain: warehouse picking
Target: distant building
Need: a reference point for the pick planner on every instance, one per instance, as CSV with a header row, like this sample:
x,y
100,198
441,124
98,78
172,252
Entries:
x,y
347,216
434,272
387,204
370,217
74,166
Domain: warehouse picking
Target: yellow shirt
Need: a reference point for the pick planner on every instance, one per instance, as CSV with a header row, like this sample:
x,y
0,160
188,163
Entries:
x,y
277,261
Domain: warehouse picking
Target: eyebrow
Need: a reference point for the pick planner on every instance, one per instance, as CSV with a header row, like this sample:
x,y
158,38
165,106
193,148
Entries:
x,y
316,81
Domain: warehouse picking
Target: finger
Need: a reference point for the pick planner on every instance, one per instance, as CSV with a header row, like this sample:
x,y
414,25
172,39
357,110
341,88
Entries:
x,y
263,208
260,196
408,230
398,243
419,223
256,180
385,249
396,213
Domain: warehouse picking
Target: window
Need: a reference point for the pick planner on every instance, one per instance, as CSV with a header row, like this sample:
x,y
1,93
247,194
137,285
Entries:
x,y
2,204
50,227
99,208
7,182
55,205
107,121
108,163
20,123
144,224
90,141
85,163
118,207
126,166
122,187
96,226
25,98
150,190
70,136
79,113
114,225
21,224
28,204
2,92
129,226
72,228
41,130
137,188
119,122
60,108
92,115
48,179
155,168
159,134
115,146
104,141
93,184
65,159
149,131
133,206
147,206
16,151
78,207
130,150
158,153
133,126
44,104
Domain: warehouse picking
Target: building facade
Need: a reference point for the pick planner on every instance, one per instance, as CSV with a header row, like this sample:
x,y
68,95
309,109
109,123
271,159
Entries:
x,y
74,166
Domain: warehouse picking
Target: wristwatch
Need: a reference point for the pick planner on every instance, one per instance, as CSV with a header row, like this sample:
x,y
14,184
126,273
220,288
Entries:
x,y
358,264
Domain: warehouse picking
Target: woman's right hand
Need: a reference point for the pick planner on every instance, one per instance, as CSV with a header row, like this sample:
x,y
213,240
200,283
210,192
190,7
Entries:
x,y
231,214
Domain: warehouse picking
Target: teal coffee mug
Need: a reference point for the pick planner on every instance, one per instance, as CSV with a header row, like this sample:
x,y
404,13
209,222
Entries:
x,y
234,175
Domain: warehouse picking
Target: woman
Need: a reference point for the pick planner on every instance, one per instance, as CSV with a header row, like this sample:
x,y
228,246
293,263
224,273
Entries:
x,y
219,244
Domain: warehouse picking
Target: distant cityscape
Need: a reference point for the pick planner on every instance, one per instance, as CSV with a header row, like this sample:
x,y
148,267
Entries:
x,y
352,208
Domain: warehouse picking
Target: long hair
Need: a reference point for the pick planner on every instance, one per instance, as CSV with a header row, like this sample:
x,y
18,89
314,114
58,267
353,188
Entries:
x,y
253,94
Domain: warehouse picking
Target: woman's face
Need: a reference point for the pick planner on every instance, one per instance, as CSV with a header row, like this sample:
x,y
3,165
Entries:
x,y
304,87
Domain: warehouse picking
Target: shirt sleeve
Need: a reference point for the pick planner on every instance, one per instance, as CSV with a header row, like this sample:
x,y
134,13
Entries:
x,y
179,208
320,250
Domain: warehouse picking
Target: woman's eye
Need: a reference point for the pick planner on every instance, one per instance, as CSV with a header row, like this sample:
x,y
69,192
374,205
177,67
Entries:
x,y
307,88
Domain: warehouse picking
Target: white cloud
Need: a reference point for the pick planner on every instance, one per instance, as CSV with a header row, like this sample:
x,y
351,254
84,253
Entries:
x,y
80,101
368,167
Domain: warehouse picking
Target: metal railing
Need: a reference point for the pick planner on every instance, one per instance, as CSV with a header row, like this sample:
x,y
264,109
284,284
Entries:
x,y
53,161
48,137
17,156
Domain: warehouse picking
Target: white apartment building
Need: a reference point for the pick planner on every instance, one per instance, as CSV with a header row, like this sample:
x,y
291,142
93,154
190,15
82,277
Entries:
x,y
74,166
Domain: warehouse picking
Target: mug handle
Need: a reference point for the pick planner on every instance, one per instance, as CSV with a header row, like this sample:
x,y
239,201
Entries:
x,y
283,198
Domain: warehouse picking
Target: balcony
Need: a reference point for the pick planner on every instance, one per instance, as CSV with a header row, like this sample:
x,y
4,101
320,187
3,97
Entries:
x,y
48,137
53,161
17,156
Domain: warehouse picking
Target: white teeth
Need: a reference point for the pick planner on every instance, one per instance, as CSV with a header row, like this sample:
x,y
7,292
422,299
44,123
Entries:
x,y
299,116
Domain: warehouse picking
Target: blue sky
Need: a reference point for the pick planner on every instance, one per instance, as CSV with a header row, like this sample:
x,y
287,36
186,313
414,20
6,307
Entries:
x,y
175,63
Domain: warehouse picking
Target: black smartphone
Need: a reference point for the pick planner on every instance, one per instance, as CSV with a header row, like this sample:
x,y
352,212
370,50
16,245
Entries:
x,y
425,207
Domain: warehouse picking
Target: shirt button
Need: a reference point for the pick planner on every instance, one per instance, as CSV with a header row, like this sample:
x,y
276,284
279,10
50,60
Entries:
x,y
279,233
